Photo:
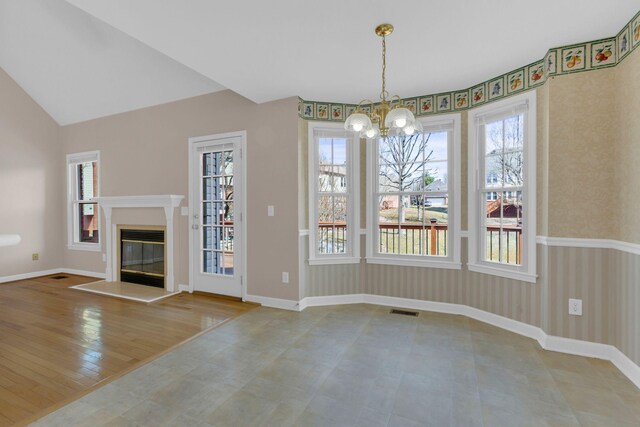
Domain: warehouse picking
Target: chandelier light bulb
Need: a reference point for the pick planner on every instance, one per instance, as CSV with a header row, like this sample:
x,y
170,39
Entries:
x,y
356,122
415,127
372,132
399,117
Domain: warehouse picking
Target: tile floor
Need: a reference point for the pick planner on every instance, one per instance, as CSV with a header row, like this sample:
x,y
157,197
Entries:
x,y
358,365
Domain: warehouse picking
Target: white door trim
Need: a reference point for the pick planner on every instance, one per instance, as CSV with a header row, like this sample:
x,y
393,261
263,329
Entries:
x,y
243,175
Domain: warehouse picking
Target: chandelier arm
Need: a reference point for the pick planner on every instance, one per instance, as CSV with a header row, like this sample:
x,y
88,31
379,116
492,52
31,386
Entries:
x,y
364,101
397,99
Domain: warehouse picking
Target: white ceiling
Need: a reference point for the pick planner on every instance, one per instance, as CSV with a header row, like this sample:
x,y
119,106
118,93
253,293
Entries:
x,y
78,68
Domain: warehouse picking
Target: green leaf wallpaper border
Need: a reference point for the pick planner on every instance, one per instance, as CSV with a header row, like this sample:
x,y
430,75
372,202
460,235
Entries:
x,y
575,58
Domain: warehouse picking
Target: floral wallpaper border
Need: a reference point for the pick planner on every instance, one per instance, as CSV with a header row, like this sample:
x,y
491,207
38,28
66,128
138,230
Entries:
x,y
570,59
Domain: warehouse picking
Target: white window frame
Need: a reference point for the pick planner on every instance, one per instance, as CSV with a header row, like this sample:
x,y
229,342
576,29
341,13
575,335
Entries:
x,y
352,256
72,216
527,271
452,260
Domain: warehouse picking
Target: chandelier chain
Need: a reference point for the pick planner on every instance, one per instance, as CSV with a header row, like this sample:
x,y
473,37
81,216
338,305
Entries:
x,y
384,93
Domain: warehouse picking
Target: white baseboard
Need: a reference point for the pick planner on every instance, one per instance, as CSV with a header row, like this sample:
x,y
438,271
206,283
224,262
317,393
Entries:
x,y
24,276
185,288
331,300
626,365
41,273
548,342
83,273
285,304
578,347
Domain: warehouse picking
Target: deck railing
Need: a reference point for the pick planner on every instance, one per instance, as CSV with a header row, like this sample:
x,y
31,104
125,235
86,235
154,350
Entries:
x,y
332,238
428,239
413,239
510,245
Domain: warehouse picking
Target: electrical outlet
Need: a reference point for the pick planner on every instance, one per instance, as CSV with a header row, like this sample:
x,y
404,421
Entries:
x,y
35,256
270,210
575,307
285,277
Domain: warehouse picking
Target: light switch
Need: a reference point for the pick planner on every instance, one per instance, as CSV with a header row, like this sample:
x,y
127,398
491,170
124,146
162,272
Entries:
x,y
285,277
270,210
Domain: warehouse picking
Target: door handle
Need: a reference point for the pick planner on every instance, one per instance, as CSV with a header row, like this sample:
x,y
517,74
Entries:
x,y
195,226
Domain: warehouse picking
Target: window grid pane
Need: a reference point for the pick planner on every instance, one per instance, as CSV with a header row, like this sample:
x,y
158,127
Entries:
x,y
412,212
217,212
503,173
85,215
333,199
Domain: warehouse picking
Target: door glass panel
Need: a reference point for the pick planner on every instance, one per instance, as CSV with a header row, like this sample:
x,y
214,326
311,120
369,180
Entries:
x,y
207,166
227,239
227,213
228,163
207,188
207,213
207,262
217,212
228,263
207,237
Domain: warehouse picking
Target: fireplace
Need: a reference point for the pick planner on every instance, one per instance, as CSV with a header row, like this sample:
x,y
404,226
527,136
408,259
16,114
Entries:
x,y
142,256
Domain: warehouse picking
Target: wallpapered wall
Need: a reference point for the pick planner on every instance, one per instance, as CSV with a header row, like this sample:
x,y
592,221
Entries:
x,y
587,147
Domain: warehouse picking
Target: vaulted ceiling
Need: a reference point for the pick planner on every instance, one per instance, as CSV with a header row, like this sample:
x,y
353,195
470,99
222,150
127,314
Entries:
x,y
82,59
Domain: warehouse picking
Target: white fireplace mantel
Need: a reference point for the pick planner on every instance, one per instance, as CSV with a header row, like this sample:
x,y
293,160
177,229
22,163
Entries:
x,y
167,202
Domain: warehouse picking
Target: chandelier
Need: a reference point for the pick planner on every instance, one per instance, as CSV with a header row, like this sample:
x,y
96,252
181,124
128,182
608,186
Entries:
x,y
387,117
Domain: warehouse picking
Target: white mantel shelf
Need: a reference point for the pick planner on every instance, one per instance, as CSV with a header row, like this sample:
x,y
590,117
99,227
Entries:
x,y
167,202
163,201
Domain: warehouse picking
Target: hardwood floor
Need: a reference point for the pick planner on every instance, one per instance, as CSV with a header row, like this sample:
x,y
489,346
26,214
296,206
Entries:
x,y
57,343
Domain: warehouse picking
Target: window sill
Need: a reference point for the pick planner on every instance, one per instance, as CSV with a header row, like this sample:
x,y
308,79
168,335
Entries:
x,y
90,247
509,274
331,261
428,263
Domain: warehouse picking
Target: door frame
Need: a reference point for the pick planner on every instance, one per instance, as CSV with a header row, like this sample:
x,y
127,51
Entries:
x,y
243,187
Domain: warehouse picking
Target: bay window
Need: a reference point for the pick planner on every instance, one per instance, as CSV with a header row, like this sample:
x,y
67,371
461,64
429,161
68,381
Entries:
x,y
502,188
413,192
333,195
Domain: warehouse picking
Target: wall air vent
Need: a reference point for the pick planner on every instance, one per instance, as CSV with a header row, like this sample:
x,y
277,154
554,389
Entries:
x,y
404,312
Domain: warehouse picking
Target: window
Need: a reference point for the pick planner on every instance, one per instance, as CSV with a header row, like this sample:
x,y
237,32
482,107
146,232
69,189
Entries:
x,y
502,169
82,213
333,195
413,212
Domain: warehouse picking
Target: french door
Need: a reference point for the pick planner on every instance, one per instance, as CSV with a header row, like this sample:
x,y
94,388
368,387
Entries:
x,y
216,209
